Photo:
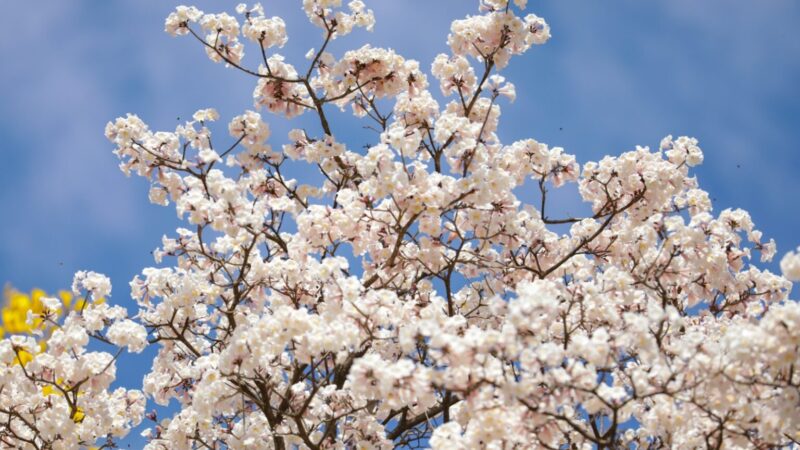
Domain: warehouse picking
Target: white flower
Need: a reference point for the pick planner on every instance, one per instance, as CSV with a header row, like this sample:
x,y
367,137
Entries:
x,y
790,265
208,156
126,333
207,115
98,285
51,303
177,22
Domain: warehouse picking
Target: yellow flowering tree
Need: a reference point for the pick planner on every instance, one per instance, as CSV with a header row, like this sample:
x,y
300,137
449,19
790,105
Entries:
x,y
17,304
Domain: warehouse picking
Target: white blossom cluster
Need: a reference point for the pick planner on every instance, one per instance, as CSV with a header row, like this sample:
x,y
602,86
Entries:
x,y
55,392
790,265
412,298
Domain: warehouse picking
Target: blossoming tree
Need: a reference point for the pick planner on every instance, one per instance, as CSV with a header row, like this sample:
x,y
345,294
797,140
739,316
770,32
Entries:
x,y
54,390
412,299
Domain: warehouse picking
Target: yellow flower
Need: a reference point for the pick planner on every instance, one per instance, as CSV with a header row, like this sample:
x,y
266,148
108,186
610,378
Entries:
x,y
49,389
78,416
23,357
16,305
36,300
66,298
14,314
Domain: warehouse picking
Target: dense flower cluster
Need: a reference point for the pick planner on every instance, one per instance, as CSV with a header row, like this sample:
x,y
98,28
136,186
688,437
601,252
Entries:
x,y
55,389
23,313
413,298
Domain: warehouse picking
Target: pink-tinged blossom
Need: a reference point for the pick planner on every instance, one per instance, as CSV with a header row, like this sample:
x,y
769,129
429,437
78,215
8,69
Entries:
x,y
177,23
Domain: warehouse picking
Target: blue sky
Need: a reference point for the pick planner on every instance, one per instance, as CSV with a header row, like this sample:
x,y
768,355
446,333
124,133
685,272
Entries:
x,y
615,74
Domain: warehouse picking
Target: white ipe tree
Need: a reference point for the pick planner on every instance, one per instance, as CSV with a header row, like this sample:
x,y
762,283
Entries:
x,y
412,299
